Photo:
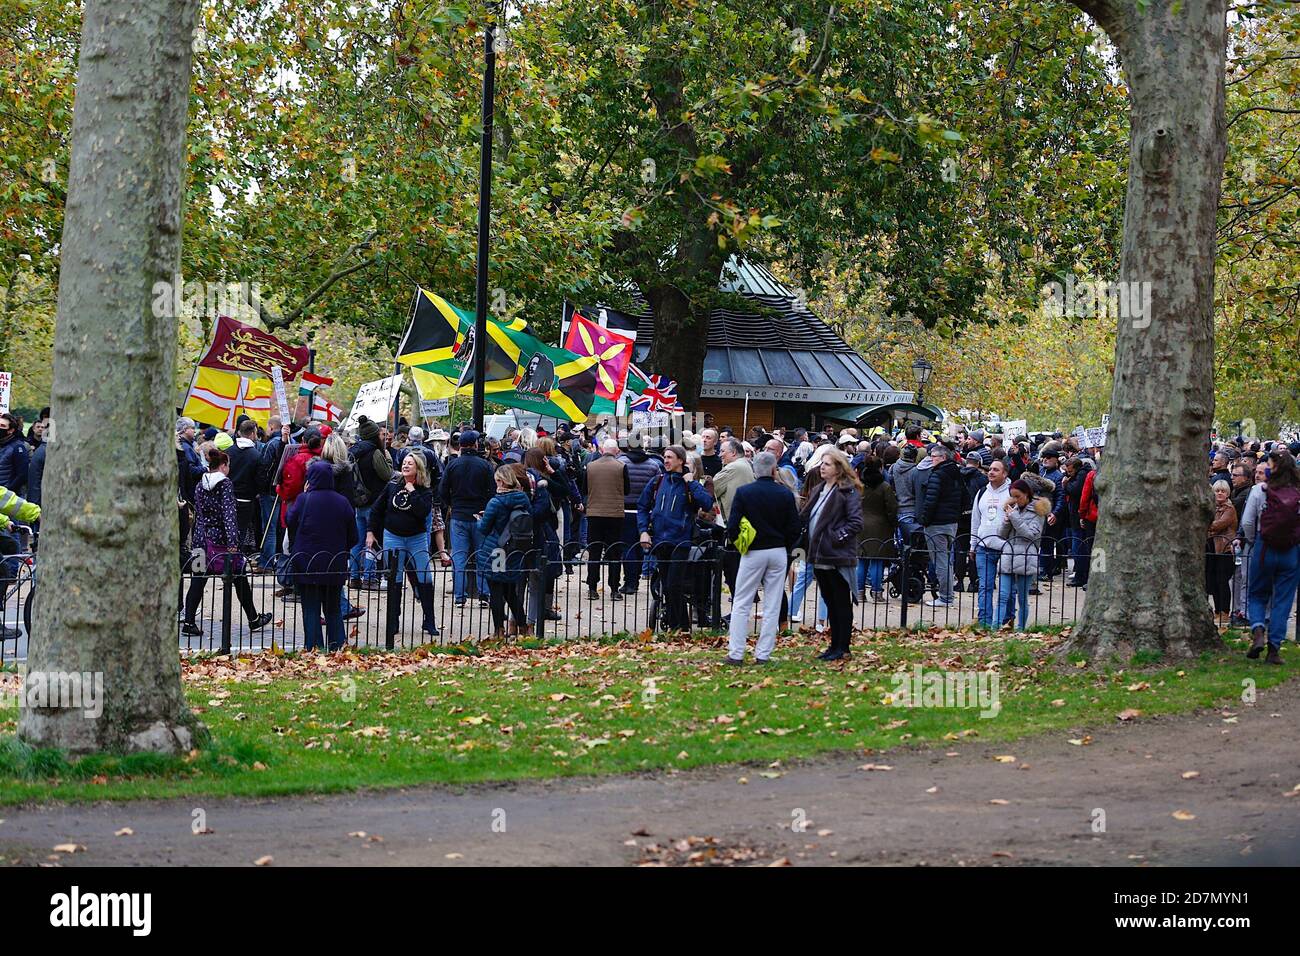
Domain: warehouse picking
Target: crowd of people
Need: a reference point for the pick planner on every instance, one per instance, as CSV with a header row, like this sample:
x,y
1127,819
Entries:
x,y
1001,518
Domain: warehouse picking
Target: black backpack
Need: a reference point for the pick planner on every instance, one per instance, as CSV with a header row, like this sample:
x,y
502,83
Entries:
x,y
517,538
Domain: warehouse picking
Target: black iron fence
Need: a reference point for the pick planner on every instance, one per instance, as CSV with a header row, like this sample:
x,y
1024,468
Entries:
x,y
590,592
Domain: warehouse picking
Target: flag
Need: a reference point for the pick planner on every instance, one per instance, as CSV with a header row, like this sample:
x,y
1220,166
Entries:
x,y
219,398
323,410
438,344
310,382
660,395
618,322
612,351
237,347
524,372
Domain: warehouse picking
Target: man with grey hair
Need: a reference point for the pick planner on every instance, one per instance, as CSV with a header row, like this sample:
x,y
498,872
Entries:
x,y
767,507
735,474
608,486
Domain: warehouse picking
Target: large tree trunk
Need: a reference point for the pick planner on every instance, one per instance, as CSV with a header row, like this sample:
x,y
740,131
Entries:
x,y
106,599
1147,591
681,323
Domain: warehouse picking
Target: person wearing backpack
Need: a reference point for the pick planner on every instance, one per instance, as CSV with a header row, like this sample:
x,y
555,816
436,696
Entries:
x,y
666,520
372,471
506,528
1273,514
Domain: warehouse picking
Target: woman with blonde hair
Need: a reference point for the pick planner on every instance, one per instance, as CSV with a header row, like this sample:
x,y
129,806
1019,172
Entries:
x,y
400,516
833,519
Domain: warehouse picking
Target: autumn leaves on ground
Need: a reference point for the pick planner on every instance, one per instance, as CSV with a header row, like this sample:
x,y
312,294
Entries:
x,y
305,723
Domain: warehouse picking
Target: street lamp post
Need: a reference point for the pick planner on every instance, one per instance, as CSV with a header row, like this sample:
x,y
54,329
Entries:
x,y
921,371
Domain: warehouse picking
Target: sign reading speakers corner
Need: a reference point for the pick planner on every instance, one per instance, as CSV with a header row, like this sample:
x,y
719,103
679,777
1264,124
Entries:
x,y
836,396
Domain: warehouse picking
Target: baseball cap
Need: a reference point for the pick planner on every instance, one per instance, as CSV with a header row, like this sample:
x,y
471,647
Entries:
x,y
468,438
847,440
416,433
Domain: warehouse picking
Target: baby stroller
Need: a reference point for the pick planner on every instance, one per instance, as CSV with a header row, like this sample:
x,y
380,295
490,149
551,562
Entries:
x,y
702,557
917,557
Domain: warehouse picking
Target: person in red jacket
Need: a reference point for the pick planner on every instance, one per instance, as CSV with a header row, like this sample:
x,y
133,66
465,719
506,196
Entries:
x,y
1087,528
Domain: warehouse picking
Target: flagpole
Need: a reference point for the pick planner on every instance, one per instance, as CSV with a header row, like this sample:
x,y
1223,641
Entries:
x,y
484,223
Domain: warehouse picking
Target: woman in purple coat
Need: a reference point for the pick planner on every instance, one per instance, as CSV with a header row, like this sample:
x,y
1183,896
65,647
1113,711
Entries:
x,y
216,531
323,529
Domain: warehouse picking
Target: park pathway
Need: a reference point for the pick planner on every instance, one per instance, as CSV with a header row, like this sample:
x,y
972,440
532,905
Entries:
x,y
960,806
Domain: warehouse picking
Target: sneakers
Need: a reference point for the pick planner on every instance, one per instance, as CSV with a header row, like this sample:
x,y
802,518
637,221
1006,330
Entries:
x,y
616,595
593,594
1259,642
877,597
731,661
796,618
192,629
460,602
936,602
260,621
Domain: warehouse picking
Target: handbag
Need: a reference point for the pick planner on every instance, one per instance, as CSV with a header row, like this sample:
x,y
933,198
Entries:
x,y
218,556
745,537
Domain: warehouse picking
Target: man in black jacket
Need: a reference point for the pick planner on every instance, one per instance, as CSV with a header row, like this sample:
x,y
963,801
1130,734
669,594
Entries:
x,y
769,507
244,462
467,485
942,511
642,468
375,468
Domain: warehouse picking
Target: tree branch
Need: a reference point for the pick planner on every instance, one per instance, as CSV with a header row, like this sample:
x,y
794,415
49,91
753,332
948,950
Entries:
x,y
338,272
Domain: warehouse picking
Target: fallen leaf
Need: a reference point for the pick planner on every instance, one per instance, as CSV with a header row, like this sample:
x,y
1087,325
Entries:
x,y
1005,758
125,831
69,848
358,833
780,861
455,856
264,860
1183,815
824,832
875,766
1059,702
932,790
1191,774
1128,713
770,774
999,802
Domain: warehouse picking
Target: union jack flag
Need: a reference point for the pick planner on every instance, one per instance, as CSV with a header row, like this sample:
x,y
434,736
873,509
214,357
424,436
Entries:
x,y
660,395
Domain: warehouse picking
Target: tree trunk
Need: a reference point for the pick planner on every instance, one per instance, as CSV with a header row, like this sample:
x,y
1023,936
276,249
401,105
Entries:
x,y
1146,591
106,600
681,325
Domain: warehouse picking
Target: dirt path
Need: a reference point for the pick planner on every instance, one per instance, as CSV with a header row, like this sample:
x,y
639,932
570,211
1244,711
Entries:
x,y
1133,772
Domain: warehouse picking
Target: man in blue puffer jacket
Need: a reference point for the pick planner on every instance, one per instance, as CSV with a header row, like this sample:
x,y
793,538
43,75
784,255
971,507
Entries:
x,y
665,516
15,456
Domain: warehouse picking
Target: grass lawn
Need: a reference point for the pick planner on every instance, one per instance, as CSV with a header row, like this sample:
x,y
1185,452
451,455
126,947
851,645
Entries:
x,y
300,723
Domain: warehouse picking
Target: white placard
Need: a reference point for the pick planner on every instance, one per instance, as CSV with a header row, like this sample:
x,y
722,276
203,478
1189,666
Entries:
x,y
1096,438
374,400
1105,420
281,397
432,407
1014,430
6,384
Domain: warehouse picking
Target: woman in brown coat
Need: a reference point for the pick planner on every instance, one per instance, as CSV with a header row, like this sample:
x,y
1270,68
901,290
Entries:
x,y
833,518
879,519
1218,551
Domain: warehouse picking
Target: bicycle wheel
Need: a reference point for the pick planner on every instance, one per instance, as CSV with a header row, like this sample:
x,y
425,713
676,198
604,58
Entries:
x,y
27,612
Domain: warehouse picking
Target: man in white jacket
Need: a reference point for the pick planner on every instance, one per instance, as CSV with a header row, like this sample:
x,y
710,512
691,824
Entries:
x,y
986,544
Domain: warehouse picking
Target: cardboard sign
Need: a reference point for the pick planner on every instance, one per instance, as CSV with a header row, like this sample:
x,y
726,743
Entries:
x,y
433,407
281,397
1014,430
374,400
1096,438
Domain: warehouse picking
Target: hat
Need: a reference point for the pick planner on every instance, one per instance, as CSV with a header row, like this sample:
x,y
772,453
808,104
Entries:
x,y
326,431
367,430
978,434
909,453
438,435
580,427
468,438
847,439
416,433
223,441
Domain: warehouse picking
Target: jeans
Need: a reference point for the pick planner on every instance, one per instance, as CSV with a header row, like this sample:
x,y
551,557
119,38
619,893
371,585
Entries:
x,y
634,555
362,568
871,570
411,553
939,538
1274,578
466,542
1241,580
1083,553
1011,586
269,540
801,580
766,568
318,599
986,562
